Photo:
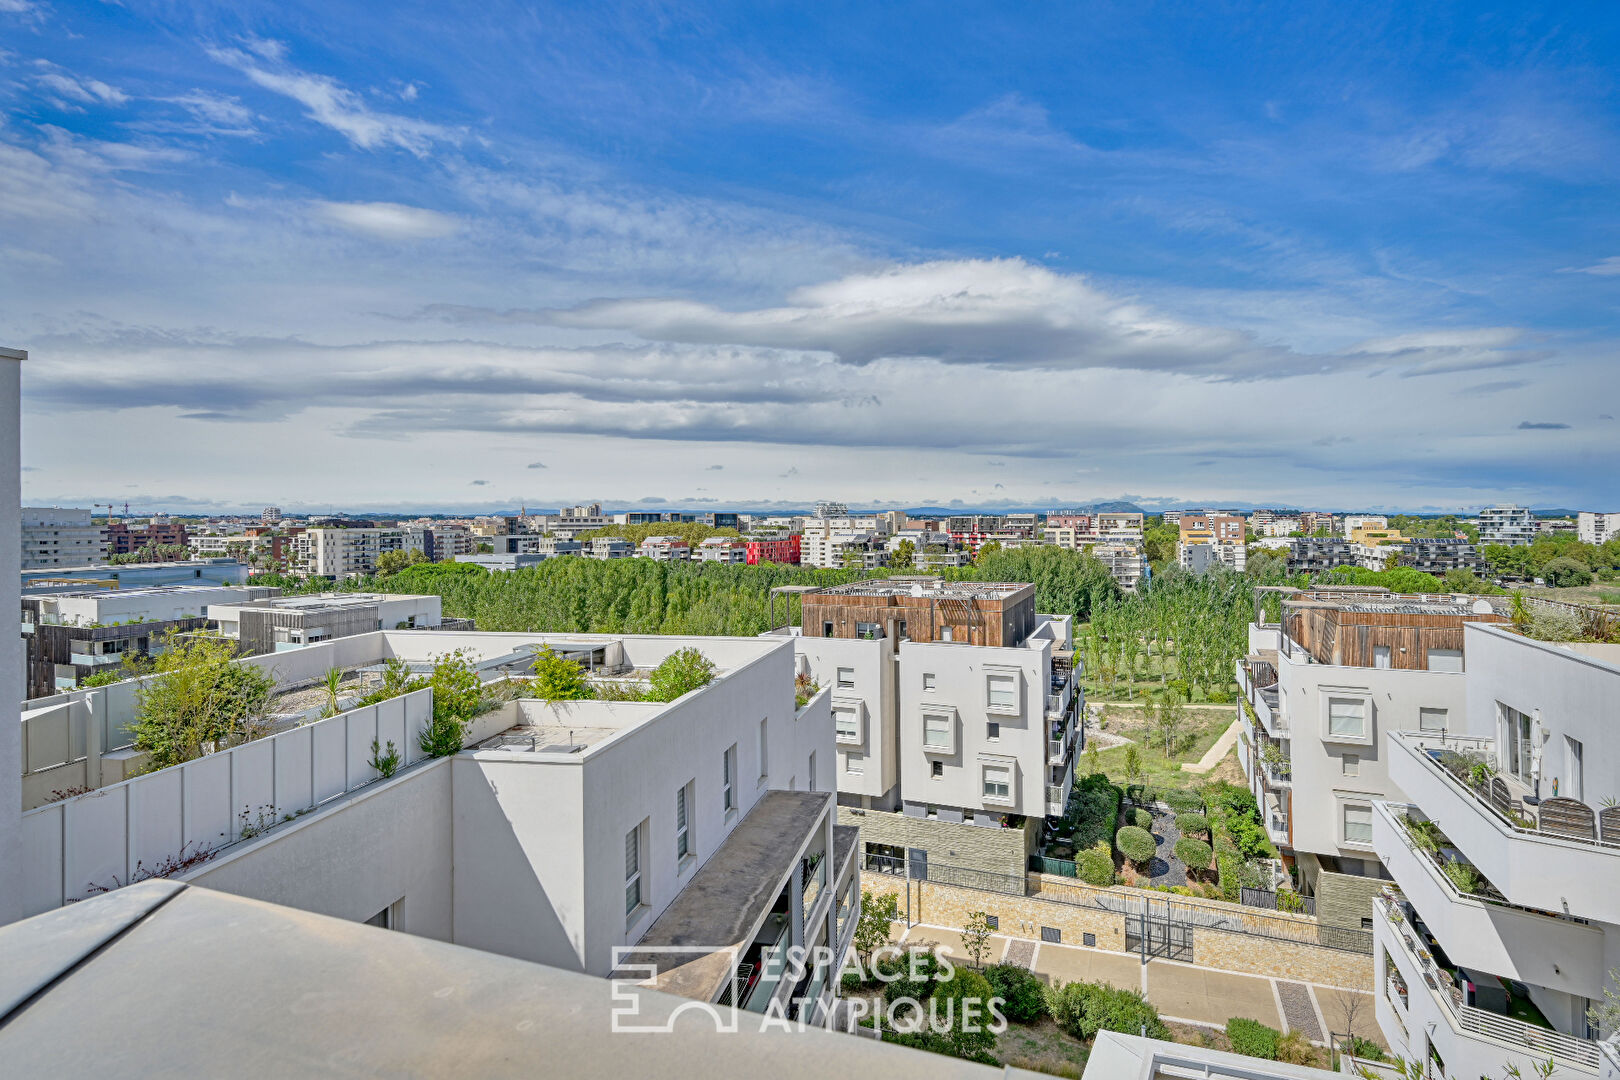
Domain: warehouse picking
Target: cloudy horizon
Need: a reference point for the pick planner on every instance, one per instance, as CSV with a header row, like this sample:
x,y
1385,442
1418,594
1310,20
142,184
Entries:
x,y
702,259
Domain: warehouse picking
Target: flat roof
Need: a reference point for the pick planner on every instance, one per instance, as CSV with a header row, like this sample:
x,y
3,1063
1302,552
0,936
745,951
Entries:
x,y
717,911
930,588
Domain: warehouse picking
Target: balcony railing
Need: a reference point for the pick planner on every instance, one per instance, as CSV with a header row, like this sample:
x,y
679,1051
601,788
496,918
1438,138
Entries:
x,y
94,659
1473,1021
815,880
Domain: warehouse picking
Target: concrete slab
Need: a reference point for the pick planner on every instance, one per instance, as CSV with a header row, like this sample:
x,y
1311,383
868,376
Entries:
x,y
1065,963
1213,997
1341,1009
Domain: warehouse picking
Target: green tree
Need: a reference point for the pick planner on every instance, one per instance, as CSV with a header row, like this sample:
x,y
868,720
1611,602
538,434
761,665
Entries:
x,y
557,678
1565,573
872,930
458,696
331,682
680,673
904,556
1133,763
199,700
976,936
392,562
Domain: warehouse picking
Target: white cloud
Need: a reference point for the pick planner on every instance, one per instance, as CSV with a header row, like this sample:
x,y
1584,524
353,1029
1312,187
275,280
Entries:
x,y
330,103
214,114
1608,267
67,91
389,221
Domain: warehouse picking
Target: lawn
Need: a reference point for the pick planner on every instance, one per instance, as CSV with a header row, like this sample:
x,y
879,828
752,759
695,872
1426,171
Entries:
x,y
1201,727
1042,1047
1597,594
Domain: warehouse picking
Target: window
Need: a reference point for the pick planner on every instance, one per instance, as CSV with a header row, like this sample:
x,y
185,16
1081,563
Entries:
x,y
1358,824
936,769
993,921
1516,741
728,772
904,635
764,748
992,730
632,870
1445,660
1052,935
1001,692
1431,719
1347,716
928,680
1380,656
826,629
846,678
683,832
998,783
1574,769
936,732
846,725
945,634
812,772
854,763
868,631
1352,764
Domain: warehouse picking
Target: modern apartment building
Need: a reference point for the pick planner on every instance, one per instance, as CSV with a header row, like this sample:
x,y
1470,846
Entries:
x,y
1503,928
1210,539
270,515
783,549
1436,555
665,549
124,540
54,536
955,713
1345,666
1125,560
609,547
723,549
342,553
1317,555
1592,527
70,635
1351,522
1314,521
1508,525
293,622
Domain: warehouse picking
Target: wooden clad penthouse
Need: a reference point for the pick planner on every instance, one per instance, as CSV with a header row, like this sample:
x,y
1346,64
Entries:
x,y
1388,630
923,609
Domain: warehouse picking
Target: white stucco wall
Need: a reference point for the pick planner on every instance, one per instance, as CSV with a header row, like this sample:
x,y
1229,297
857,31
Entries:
x,y
874,669
11,655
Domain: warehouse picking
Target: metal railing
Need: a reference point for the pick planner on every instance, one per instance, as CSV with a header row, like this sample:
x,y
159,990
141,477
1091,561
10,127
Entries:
x,y
961,877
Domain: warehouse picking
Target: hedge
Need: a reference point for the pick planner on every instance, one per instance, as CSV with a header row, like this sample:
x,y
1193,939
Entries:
x,y
1095,865
1136,844
1084,1008
1194,853
1142,819
1023,993
1192,824
1184,800
1252,1038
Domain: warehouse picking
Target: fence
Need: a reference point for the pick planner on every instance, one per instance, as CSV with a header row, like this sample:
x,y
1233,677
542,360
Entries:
x,y
963,877
1207,916
1265,898
121,831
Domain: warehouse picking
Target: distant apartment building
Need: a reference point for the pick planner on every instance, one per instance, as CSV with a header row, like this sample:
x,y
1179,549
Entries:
x,y
1345,666
665,549
1208,540
124,540
831,550
1172,517
1120,526
70,635
1315,521
1351,522
1511,526
723,549
342,553
137,575
954,710
1126,562
829,509
1308,555
54,536
609,547
1557,527
503,561
1022,525
783,549
1277,526
1437,555
270,515
292,622
1592,527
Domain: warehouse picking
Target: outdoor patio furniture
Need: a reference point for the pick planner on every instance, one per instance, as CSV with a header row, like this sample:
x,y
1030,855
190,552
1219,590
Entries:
x,y
1567,817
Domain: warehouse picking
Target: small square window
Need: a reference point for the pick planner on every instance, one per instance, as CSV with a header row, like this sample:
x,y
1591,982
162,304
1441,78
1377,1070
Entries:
x,y
854,763
826,629
846,678
992,730
1366,923
938,769
928,680
1432,720
1347,717
1352,764
1088,940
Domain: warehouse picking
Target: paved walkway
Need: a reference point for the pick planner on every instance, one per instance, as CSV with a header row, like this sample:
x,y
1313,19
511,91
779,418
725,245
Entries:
x,y
1212,757
1185,993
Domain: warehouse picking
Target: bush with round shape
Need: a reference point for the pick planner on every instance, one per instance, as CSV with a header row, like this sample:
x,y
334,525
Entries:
x,y
926,967
1189,824
1183,801
1084,1008
1136,844
1023,994
1252,1038
1195,854
1095,865
1142,819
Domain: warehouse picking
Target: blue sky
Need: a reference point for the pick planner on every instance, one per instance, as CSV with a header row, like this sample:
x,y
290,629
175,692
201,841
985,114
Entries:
x,y
330,254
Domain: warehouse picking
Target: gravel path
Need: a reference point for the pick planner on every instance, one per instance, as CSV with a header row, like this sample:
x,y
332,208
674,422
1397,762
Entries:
x,y
1298,1010
1166,869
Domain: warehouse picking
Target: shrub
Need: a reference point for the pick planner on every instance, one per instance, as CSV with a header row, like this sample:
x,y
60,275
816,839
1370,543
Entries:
x,y
1192,824
1084,1008
682,671
1290,901
1184,801
1365,1049
1194,853
1252,1038
1136,844
1093,810
849,982
1142,819
557,678
926,966
1295,1049
1024,994
1095,865
1554,624
458,695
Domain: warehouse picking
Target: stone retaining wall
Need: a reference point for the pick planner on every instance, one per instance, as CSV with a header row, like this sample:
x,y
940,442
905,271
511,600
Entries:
x,y
970,847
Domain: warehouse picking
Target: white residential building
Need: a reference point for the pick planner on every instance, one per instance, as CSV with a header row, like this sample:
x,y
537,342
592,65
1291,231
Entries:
x,y
342,553
1596,528
954,706
1345,667
665,549
1509,525
1351,522
723,549
54,536
1280,526
609,547
1119,526
294,622
271,515
1505,848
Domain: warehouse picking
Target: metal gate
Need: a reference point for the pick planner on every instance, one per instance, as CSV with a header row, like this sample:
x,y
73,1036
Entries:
x,y
1155,932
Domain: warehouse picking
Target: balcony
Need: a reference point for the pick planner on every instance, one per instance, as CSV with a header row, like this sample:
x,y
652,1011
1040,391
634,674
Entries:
x,y
1532,867
94,659
1485,932
1263,699
1276,818
1472,1041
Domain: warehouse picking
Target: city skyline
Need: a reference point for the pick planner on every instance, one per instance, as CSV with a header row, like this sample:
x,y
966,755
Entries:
x,y
725,258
